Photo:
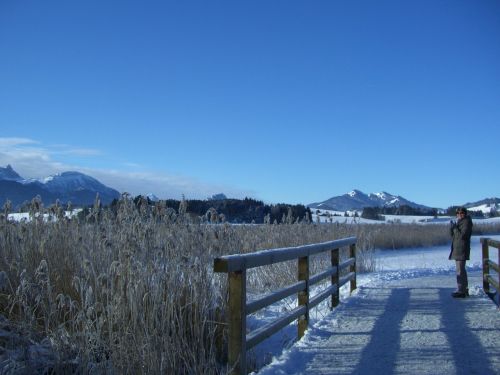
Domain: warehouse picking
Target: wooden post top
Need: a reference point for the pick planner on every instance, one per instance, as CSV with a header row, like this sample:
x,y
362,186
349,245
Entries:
x,y
490,242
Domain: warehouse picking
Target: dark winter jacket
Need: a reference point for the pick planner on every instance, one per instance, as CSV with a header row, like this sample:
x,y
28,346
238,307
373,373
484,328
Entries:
x,y
461,232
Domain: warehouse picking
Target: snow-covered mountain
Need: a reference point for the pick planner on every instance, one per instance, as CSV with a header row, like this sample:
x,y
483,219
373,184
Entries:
x,y
152,197
9,174
486,206
357,200
75,187
218,197
73,181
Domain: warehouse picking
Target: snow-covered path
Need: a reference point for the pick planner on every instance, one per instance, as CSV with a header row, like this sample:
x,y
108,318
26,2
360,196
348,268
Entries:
x,y
401,326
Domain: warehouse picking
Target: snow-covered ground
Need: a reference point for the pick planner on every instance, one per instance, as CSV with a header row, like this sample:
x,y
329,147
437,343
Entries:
x,y
424,266
25,216
328,216
486,208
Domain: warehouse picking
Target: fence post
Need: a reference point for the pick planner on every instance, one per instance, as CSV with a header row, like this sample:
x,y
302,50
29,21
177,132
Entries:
x,y
219,336
303,296
352,254
335,278
237,351
498,280
486,266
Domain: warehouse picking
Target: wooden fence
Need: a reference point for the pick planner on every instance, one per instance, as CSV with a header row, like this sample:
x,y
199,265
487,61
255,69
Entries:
x,y
236,267
488,264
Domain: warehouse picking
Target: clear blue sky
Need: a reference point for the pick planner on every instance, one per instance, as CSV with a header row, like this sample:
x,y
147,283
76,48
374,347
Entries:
x,y
284,101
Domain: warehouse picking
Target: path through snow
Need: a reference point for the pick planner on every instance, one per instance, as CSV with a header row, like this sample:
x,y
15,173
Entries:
x,y
401,326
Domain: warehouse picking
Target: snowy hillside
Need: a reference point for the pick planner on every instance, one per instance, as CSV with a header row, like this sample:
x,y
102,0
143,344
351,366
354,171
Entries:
x,y
486,208
357,200
68,181
9,174
330,216
74,187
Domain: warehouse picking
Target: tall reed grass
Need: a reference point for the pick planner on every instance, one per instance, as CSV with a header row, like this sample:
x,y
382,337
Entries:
x,y
132,291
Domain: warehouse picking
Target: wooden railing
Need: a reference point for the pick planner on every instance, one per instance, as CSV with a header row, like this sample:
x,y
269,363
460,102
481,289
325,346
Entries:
x,y
236,267
489,264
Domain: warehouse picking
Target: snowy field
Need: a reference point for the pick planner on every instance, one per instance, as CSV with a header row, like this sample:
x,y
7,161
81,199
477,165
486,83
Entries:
x,y
423,265
327,216
25,216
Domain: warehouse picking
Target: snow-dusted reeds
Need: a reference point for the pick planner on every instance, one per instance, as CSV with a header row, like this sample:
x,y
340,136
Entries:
x,y
131,290
402,235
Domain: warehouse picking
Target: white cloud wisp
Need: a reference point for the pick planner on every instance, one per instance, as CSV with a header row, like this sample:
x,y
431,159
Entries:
x,y
32,159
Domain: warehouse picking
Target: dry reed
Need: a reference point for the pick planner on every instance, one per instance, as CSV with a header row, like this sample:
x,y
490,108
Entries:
x,y
132,291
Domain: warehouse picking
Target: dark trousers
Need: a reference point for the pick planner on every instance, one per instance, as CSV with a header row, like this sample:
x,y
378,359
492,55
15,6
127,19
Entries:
x,y
462,282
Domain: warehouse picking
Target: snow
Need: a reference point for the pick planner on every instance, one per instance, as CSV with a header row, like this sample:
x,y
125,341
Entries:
x,y
400,319
327,216
382,195
485,208
46,179
152,197
25,216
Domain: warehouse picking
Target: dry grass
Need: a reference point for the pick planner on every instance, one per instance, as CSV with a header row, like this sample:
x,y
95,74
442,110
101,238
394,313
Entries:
x,y
133,291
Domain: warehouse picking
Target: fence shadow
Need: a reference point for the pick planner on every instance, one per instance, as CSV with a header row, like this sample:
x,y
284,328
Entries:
x,y
469,355
404,329
379,356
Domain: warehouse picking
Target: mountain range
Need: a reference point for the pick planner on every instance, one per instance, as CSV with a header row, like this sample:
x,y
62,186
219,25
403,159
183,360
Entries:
x,y
486,206
75,187
357,200
81,190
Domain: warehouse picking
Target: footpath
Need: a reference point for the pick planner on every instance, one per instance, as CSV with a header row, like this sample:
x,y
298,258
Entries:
x,y
404,326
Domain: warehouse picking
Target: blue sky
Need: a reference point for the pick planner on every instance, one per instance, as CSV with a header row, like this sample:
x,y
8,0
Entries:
x,y
284,101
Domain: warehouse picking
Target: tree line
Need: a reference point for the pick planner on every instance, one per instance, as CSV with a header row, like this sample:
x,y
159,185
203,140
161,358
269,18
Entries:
x,y
247,210
377,213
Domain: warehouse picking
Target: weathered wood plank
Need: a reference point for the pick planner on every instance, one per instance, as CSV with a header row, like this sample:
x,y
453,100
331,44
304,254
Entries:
x,y
274,297
236,266
493,265
349,277
323,275
237,323
267,330
347,263
237,262
335,277
352,268
486,267
320,297
303,295
490,242
493,282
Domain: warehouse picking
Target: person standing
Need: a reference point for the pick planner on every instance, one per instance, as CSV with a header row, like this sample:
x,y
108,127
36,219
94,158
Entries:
x,y
461,231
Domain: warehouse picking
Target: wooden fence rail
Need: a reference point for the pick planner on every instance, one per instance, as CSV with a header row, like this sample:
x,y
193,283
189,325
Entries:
x,y
488,264
236,267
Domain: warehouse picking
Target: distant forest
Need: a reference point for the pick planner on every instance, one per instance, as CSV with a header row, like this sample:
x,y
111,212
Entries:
x,y
376,213
235,211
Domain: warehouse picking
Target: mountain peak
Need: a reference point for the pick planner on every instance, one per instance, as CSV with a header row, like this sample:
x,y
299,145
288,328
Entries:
x,y
71,181
357,200
74,187
218,197
9,174
152,197
355,192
